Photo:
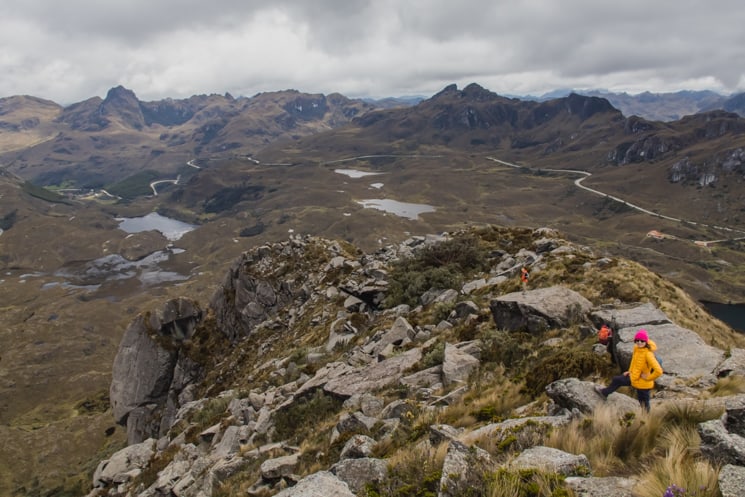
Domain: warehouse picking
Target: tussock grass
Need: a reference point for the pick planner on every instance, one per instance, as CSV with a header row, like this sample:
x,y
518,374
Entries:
x,y
680,466
412,472
505,483
729,385
486,402
690,413
665,442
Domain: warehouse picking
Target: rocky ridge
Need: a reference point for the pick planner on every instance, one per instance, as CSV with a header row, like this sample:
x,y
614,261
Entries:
x,y
212,397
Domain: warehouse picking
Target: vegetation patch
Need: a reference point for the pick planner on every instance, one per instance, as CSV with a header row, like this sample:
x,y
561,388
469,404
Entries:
x,y
228,197
137,185
564,364
302,417
8,220
438,266
44,194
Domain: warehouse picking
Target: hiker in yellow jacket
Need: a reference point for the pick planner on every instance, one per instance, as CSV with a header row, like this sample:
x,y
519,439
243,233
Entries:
x,y
643,370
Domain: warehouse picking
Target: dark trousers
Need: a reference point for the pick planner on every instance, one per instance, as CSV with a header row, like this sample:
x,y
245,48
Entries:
x,y
619,381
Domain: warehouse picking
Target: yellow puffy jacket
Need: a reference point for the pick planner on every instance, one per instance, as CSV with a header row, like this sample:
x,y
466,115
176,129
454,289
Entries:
x,y
644,361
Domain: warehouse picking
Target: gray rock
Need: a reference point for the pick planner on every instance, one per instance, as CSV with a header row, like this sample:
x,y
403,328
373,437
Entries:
x,y
538,310
496,431
369,404
373,377
399,409
171,475
572,393
252,291
602,487
719,445
231,441
630,316
399,334
357,446
463,469
146,368
359,472
464,309
457,366
734,418
443,433
278,467
732,481
120,465
426,378
473,285
732,365
355,422
552,460
321,484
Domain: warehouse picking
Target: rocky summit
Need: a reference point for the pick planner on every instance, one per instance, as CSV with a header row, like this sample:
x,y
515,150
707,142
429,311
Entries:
x,y
424,368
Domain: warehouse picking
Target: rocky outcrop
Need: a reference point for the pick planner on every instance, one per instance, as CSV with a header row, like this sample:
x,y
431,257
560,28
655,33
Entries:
x,y
383,377
149,373
252,292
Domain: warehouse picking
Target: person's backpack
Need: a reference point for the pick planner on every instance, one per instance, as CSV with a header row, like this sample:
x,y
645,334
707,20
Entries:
x,y
604,334
659,360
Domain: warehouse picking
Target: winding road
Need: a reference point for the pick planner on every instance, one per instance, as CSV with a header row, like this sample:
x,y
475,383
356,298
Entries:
x,y
174,181
586,174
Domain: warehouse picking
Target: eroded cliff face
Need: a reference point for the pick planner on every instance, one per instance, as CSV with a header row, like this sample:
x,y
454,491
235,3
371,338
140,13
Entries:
x,y
150,372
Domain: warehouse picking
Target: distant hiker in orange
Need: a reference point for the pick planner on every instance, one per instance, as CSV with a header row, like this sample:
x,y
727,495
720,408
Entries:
x,y
524,276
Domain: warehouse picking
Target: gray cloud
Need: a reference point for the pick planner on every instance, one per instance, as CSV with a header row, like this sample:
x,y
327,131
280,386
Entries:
x,y
73,50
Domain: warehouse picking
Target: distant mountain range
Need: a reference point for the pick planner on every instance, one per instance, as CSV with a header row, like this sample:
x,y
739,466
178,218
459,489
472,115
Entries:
x,y
651,106
663,106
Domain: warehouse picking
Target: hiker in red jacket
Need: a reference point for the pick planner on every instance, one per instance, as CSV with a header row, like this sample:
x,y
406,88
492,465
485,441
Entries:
x,y
524,276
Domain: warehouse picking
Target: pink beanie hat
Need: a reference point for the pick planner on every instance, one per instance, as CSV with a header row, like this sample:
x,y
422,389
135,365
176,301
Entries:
x,y
641,335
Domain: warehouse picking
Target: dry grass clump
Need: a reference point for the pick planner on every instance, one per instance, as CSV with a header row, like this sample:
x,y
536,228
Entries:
x,y
488,403
729,385
681,466
664,441
412,472
522,483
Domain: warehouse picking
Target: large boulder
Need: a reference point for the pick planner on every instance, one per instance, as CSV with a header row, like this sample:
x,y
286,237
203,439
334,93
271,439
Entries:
x,y
572,393
148,367
538,310
629,315
321,484
683,352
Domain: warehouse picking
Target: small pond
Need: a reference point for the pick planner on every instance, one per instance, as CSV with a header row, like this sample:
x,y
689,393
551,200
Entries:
x,y
172,229
402,209
354,173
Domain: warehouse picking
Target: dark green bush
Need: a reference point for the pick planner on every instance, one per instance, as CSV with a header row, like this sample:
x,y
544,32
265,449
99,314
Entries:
x,y
507,348
228,197
304,415
438,266
564,364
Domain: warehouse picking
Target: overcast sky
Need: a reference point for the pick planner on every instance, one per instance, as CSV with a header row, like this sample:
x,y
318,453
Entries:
x,y
71,50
